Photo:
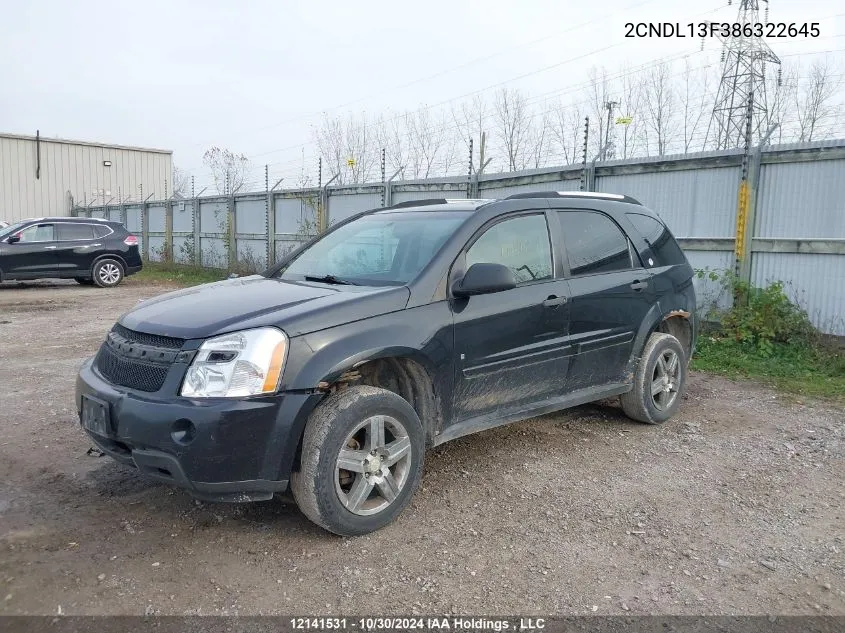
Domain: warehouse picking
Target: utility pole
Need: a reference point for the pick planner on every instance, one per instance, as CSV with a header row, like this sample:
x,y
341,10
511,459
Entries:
x,y
744,60
608,141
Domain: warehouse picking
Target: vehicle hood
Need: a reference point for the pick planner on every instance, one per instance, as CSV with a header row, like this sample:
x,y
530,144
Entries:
x,y
296,307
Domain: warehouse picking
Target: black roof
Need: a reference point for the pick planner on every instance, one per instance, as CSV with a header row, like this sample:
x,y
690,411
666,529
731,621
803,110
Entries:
x,y
69,219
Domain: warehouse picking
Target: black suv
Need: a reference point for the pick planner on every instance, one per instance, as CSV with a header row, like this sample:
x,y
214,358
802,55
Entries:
x,y
90,250
398,329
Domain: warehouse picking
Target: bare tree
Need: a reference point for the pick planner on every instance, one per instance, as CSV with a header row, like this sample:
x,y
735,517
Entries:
x,y
228,169
567,128
470,122
660,109
349,147
513,123
181,182
598,95
393,137
539,139
361,150
431,149
630,106
696,102
780,88
814,105
330,142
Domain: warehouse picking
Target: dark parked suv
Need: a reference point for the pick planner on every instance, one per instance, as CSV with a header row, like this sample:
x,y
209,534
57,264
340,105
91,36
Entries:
x,y
90,250
398,329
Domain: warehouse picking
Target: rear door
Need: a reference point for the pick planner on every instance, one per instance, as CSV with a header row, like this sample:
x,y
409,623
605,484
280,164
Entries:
x,y
76,248
611,295
33,256
511,347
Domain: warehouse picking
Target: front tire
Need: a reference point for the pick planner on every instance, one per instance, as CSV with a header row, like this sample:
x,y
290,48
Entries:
x,y
107,273
658,382
362,459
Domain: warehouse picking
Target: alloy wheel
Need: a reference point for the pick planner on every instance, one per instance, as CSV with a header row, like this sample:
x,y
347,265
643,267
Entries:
x,y
665,379
373,465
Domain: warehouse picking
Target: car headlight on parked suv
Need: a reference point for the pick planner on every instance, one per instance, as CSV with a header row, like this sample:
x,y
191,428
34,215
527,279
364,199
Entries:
x,y
247,363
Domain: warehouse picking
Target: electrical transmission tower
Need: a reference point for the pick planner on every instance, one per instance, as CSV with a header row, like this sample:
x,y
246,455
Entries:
x,y
744,60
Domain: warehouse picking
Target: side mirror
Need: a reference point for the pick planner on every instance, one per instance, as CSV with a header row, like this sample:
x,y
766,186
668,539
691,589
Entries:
x,y
13,239
482,279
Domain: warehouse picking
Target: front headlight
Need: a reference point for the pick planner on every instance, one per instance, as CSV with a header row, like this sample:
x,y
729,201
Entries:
x,y
247,363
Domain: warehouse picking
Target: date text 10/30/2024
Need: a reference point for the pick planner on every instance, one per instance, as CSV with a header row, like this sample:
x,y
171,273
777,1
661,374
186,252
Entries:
x,y
456,623
722,29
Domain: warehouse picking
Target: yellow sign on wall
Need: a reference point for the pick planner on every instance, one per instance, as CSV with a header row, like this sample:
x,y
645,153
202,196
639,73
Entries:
x,y
350,162
742,218
624,120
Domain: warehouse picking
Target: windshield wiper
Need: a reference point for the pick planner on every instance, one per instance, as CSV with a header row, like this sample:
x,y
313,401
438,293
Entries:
x,y
330,279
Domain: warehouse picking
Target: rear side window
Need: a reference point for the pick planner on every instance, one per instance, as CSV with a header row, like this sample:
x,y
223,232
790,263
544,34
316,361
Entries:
x,y
101,230
594,244
521,244
659,239
68,232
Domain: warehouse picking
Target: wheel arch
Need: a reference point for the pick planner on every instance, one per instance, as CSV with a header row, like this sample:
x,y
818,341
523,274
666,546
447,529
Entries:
x,y
678,322
404,371
103,256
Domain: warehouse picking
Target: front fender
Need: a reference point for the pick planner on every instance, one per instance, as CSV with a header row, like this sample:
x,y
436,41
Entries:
x,y
423,334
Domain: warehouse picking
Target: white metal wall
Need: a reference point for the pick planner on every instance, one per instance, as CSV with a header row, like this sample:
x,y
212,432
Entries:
x,y
75,169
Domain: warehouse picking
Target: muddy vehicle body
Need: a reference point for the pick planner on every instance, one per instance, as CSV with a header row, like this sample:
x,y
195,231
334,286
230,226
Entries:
x,y
396,330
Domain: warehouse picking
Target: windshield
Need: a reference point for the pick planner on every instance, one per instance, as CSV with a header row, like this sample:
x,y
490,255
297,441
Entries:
x,y
9,230
378,249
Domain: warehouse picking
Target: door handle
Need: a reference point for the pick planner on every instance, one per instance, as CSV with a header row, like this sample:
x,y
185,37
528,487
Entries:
x,y
50,248
639,285
554,302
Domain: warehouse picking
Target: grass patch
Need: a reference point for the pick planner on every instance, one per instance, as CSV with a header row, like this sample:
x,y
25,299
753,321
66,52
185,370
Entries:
x,y
804,370
155,272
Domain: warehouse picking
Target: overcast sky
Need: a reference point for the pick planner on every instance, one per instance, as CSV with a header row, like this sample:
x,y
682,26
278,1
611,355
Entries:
x,y
255,75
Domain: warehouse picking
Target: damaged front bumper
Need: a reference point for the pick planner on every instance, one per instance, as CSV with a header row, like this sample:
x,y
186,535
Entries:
x,y
229,450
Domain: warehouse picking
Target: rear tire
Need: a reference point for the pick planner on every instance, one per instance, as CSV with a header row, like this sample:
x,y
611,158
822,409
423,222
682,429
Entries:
x,y
107,273
659,381
362,459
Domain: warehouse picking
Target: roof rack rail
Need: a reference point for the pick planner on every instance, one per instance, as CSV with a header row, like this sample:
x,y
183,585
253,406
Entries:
x,y
418,203
592,195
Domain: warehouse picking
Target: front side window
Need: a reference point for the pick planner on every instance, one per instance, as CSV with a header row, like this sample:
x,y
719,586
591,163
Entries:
x,y
38,233
521,244
378,249
69,232
594,244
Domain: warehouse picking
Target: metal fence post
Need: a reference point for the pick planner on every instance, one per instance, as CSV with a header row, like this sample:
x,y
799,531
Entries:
x,y
196,218
233,232
145,229
271,228
168,231
751,221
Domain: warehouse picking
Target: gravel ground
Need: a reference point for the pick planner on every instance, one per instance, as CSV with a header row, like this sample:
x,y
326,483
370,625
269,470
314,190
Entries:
x,y
735,507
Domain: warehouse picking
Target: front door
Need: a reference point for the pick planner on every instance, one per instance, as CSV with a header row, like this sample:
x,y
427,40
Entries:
x,y
34,255
512,347
611,295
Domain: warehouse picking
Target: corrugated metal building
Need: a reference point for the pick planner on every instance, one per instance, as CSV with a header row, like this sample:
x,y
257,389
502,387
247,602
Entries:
x,y
48,176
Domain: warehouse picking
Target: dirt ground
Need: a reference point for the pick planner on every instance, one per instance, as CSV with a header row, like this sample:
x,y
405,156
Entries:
x,y
735,507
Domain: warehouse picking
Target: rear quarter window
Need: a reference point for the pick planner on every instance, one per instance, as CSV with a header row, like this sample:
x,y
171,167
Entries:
x,y
101,230
660,240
